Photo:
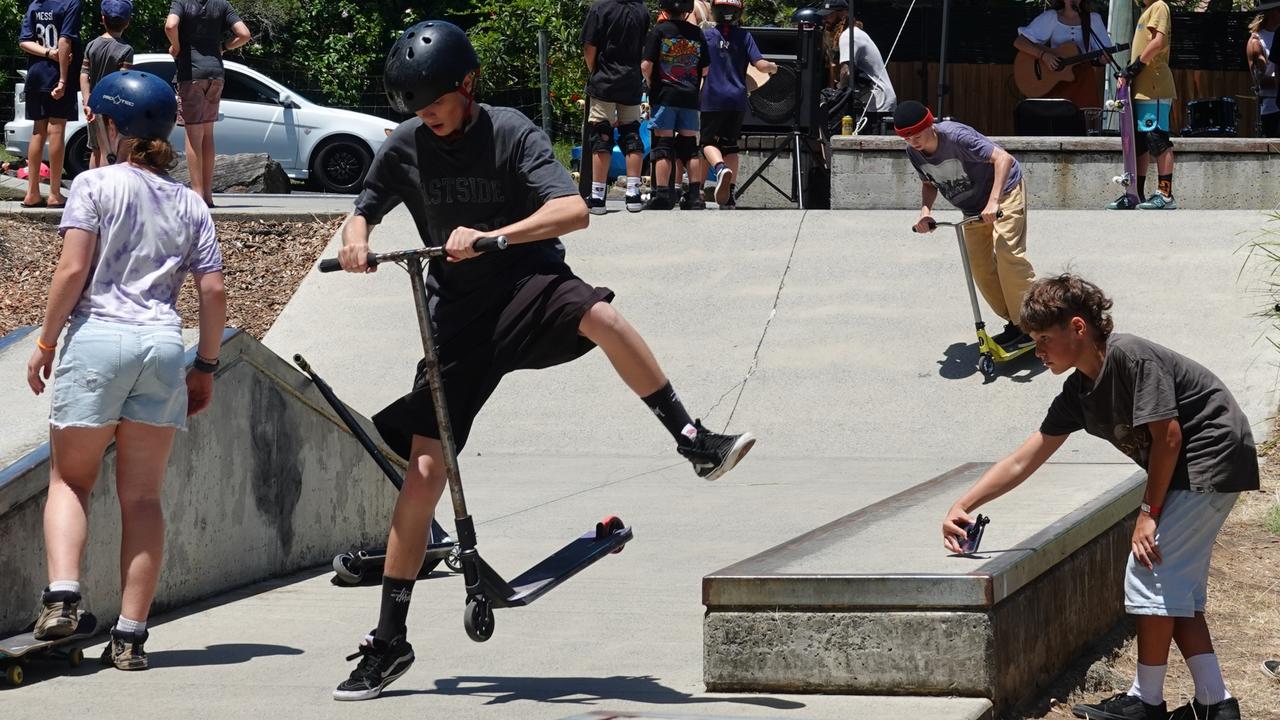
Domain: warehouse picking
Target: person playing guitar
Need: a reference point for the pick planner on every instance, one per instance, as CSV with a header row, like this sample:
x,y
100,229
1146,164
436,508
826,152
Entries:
x,y
1068,29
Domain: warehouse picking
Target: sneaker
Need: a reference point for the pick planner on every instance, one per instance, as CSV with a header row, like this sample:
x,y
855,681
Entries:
x,y
381,663
596,206
713,454
1124,202
1228,709
1120,707
1158,201
1271,668
634,202
125,650
59,616
1009,332
658,200
683,194
724,187
693,201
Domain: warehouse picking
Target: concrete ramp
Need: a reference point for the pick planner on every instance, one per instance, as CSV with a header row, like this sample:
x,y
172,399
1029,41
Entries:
x,y
264,482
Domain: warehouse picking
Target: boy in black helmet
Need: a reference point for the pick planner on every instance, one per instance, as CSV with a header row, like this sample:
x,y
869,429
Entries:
x,y
467,171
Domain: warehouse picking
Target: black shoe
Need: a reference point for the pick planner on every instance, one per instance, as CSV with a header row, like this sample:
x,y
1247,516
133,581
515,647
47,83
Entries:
x,y
634,203
1228,709
658,200
1124,202
381,663
693,201
713,454
1021,340
1009,332
596,206
683,194
125,650
1120,707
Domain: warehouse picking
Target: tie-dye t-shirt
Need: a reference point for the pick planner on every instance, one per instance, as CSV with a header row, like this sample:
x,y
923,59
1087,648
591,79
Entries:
x,y
152,231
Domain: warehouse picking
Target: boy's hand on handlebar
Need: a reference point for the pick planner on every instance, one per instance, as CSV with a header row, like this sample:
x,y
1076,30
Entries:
x,y
953,528
991,211
355,258
926,224
462,244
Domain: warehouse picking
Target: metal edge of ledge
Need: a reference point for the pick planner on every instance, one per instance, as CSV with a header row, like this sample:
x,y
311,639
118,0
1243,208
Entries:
x,y
1064,144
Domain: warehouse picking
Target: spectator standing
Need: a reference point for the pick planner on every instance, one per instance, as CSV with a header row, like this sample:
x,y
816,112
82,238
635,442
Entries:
x,y
612,42
50,37
675,61
196,30
102,56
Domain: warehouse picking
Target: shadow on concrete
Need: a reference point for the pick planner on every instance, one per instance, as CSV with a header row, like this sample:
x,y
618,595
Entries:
x,y
960,361
225,654
40,669
584,691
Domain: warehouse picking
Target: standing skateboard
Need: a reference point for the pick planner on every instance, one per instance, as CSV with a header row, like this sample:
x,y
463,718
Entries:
x,y
1124,104
19,650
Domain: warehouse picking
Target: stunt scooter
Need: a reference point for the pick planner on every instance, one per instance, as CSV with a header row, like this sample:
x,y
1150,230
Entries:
x,y
353,568
990,352
486,589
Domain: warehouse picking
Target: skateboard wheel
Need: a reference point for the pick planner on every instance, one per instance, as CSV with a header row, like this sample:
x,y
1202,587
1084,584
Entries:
x,y
343,571
75,657
453,560
478,619
13,674
987,366
609,526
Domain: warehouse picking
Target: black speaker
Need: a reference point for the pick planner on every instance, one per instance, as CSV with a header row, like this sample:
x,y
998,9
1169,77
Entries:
x,y
790,98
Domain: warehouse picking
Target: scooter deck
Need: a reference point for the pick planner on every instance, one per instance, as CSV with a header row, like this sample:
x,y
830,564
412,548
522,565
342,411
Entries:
x,y
564,564
26,643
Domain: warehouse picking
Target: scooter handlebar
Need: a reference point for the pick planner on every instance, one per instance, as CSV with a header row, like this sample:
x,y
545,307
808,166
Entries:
x,y
934,224
483,245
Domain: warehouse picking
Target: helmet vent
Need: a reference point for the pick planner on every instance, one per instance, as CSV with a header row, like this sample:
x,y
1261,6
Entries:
x,y
409,53
426,40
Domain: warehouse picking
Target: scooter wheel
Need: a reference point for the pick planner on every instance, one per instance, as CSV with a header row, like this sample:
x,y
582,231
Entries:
x,y
478,619
987,366
343,571
13,674
75,657
453,560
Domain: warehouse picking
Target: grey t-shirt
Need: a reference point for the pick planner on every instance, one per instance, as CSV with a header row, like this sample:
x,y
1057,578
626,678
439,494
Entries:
x,y
202,24
961,167
103,56
1142,382
501,171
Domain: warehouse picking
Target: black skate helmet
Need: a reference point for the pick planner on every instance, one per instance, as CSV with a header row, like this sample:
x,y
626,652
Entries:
x,y
678,7
727,12
429,60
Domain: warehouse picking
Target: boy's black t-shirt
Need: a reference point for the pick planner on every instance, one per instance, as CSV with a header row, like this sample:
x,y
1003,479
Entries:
x,y
103,56
1142,382
501,171
617,29
678,52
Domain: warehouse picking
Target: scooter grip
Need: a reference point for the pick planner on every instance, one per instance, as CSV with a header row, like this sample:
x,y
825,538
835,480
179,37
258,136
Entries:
x,y
490,244
932,226
330,265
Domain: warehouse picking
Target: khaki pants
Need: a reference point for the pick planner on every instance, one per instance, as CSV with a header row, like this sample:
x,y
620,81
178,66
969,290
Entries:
x,y
996,256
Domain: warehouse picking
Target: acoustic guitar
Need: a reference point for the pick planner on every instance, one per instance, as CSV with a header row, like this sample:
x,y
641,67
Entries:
x,y
1035,78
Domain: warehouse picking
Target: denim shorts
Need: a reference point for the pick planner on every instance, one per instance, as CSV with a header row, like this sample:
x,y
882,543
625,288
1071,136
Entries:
x,y
109,372
1178,586
1152,114
666,117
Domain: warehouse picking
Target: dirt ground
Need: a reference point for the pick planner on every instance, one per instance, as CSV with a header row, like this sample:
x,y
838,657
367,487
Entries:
x,y
263,262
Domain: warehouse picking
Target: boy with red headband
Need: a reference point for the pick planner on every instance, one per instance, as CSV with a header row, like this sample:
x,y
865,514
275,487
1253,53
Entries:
x,y
980,178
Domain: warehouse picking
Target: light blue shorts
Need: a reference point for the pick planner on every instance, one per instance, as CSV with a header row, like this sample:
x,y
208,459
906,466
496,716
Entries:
x,y
666,117
109,372
1178,587
1152,114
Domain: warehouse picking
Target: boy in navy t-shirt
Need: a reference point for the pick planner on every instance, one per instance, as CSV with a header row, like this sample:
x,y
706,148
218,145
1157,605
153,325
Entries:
x,y
50,37
675,61
724,93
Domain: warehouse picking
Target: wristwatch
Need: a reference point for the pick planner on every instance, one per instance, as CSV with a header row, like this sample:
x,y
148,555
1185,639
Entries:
x,y
1154,512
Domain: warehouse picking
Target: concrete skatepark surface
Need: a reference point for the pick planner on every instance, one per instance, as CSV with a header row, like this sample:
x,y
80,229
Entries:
x,y
855,341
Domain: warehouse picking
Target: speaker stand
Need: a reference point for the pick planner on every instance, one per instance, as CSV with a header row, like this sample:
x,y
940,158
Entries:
x,y
793,140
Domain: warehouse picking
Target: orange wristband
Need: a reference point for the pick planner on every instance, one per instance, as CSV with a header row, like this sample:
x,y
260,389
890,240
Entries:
x,y
44,347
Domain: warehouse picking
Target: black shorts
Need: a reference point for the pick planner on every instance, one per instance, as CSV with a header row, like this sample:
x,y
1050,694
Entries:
x,y
42,106
721,127
536,328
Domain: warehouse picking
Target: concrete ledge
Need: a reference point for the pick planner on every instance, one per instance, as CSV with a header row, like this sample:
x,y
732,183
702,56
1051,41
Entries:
x,y
870,603
264,482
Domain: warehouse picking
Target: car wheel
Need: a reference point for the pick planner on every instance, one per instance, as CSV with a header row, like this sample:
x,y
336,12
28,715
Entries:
x,y
77,155
340,165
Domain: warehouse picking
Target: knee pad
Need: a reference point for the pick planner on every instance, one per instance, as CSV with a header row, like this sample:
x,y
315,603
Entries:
x,y
1141,141
629,138
601,133
686,147
664,148
728,148
1159,142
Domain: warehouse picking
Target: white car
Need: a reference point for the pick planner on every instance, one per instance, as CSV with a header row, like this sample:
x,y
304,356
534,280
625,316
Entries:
x,y
258,115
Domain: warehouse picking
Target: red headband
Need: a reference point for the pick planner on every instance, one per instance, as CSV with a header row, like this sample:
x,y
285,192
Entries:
x,y
926,122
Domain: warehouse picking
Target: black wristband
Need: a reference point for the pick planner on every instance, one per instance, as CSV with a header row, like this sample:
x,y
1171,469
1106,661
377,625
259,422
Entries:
x,y
204,366
1134,68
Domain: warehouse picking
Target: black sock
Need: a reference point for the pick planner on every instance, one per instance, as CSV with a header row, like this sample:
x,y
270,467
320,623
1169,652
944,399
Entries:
x,y
719,168
667,406
1142,188
1166,184
396,594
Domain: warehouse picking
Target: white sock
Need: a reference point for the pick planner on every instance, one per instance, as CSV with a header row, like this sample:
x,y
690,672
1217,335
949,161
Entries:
x,y
65,586
597,190
633,185
1207,674
1149,683
124,624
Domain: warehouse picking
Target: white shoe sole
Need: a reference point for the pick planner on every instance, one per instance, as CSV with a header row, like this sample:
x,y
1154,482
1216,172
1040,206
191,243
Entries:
x,y
635,207
724,180
739,450
598,210
349,695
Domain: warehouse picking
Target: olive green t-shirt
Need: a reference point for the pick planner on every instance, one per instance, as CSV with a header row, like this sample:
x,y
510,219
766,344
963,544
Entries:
x,y
1155,82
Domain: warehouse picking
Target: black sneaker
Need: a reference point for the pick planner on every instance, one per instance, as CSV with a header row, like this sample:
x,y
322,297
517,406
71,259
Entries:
x,y
1124,202
659,200
713,454
1009,332
596,206
58,616
634,202
693,200
381,663
1228,709
1122,706
125,650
